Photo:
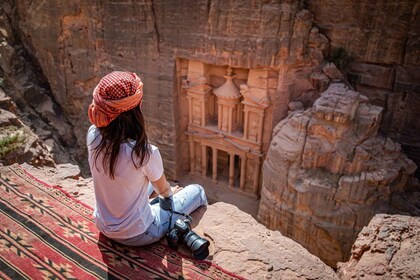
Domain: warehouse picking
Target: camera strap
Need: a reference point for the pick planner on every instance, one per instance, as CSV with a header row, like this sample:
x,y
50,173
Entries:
x,y
178,213
166,204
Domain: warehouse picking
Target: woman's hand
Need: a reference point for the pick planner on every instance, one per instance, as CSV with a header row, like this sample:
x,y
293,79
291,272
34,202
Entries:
x,y
176,189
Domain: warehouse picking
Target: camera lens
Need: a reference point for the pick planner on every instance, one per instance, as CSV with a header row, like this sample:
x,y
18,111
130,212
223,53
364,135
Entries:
x,y
199,246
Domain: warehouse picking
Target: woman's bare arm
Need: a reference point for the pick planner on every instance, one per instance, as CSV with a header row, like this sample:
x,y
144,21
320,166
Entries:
x,y
162,186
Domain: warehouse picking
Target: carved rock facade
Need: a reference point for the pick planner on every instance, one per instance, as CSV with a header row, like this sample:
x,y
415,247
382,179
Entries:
x,y
327,173
227,129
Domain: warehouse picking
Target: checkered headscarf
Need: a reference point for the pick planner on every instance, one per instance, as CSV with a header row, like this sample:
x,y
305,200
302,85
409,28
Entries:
x,y
116,93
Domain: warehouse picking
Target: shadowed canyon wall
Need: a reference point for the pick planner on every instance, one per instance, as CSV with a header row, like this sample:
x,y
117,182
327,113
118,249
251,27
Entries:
x,y
383,37
75,43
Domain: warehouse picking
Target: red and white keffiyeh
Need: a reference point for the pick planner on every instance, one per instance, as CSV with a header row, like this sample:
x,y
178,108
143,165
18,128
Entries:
x,y
116,93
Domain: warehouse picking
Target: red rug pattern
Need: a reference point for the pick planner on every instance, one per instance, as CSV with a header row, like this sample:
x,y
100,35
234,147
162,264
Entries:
x,y
46,234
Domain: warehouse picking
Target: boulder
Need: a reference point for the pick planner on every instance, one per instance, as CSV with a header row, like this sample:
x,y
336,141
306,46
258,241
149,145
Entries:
x,y
319,81
242,245
19,144
388,248
6,103
332,71
295,105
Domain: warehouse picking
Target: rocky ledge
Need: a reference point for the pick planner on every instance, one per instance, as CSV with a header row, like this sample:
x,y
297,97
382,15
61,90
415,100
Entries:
x,y
242,245
388,248
238,242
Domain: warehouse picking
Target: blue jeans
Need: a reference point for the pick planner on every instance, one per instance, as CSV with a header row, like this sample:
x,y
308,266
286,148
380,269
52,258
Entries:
x,y
185,201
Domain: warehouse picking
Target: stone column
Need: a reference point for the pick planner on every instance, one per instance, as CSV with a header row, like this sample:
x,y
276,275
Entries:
x,y
203,160
190,110
260,132
211,105
192,156
239,115
203,112
243,173
256,176
230,119
246,123
231,169
219,117
214,175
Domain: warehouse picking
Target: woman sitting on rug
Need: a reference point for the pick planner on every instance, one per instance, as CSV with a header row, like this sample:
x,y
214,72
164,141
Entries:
x,y
123,164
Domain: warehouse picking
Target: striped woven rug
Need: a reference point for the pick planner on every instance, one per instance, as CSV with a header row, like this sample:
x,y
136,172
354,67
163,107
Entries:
x,y
46,234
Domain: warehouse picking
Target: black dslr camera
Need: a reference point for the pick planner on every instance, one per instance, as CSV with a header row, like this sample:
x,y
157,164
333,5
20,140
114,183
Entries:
x,y
181,232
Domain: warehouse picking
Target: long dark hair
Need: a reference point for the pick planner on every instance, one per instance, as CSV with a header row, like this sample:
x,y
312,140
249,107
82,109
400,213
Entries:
x,y
127,126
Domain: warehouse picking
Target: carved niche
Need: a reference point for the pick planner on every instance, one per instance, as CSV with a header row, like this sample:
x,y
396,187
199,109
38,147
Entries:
x,y
228,100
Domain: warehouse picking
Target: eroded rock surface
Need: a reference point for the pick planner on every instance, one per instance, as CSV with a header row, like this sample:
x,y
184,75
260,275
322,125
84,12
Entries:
x,y
383,40
23,82
327,173
388,248
76,43
73,44
18,143
242,245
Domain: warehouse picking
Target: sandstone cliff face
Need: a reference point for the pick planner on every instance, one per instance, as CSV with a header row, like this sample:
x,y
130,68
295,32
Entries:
x,y
76,43
327,173
23,80
388,248
375,32
18,143
383,38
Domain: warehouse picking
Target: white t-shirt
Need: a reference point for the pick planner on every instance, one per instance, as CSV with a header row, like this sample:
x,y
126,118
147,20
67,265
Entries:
x,y
122,207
